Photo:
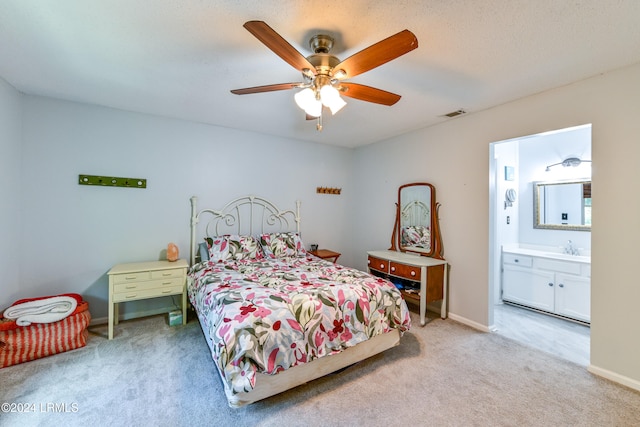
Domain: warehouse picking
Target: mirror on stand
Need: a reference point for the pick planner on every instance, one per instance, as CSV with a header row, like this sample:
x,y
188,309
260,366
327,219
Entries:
x,y
416,227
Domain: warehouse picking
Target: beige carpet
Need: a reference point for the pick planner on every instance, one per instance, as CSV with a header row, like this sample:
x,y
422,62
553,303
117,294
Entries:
x,y
442,374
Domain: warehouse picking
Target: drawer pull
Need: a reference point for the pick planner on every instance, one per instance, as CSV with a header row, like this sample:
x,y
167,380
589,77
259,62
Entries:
x,y
166,283
413,273
381,265
166,291
166,274
130,277
131,296
516,260
130,286
393,269
561,285
550,284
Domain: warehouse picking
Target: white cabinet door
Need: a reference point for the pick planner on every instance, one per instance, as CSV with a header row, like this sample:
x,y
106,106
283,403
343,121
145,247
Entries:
x,y
527,286
573,296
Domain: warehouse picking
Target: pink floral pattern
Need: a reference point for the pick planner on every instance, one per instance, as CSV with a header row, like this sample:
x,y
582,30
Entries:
x,y
268,315
278,245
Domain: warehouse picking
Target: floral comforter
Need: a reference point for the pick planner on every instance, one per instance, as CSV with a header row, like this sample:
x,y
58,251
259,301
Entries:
x,y
272,314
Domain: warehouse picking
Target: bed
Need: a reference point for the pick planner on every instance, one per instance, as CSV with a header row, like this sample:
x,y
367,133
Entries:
x,y
274,316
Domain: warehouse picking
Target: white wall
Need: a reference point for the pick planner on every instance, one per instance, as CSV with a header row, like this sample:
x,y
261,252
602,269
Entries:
x,y
454,156
73,234
10,220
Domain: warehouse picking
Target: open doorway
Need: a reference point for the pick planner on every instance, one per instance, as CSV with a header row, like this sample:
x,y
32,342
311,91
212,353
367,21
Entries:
x,y
533,309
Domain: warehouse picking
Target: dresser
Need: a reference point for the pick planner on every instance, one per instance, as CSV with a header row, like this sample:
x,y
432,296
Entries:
x,y
144,280
428,274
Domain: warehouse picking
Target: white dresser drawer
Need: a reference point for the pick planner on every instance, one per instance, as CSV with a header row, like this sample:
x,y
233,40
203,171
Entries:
x,y
147,293
131,277
521,260
150,284
166,274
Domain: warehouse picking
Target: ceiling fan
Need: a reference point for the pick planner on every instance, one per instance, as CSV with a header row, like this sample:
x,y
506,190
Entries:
x,y
323,74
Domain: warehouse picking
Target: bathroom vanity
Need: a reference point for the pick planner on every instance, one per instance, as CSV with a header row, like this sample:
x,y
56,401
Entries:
x,y
546,279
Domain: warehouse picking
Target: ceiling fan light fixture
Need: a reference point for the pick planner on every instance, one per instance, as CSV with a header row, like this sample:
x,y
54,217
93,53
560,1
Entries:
x,y
314,109
325,69
331,98
305,97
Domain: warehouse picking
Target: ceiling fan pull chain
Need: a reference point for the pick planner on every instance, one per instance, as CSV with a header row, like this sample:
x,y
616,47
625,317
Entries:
x,y
319,123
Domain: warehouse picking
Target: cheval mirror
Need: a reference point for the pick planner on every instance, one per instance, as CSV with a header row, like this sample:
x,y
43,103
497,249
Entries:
x,y
416,227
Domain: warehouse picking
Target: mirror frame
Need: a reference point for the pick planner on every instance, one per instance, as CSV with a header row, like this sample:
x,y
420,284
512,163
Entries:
x,y
536,207
436,250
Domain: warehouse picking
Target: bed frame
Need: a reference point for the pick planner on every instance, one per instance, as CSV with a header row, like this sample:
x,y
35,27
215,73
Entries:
x,y
251,215
248,215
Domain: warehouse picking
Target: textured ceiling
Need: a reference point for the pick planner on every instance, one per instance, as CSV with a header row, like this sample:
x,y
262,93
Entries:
x,y
180,58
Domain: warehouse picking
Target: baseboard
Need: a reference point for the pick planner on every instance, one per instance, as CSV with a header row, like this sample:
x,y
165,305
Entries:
x,y
474,325
616,378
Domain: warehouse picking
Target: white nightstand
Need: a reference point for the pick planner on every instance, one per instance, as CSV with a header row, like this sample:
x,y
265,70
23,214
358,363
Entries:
x,y
143,280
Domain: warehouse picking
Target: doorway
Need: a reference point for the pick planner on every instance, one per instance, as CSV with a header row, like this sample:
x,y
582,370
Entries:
x,y
515,164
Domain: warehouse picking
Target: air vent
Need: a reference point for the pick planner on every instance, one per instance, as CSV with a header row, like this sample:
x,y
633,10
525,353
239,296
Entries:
x,y
455,113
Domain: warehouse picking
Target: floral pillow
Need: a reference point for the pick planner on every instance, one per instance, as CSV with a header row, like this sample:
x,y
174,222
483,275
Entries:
x,y
279,245
218,248
244,248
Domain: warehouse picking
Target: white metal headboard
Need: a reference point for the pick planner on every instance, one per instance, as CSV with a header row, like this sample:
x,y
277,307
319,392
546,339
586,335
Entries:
x,y
415,213
248,215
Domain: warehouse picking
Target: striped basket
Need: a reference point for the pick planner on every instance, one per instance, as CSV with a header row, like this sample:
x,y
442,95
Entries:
x,y
20,344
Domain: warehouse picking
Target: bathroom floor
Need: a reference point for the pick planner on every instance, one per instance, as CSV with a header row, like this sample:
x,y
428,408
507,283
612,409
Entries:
x,y
564,338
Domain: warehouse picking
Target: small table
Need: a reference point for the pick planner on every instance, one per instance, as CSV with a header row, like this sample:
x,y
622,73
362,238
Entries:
x,y
326,254
143,280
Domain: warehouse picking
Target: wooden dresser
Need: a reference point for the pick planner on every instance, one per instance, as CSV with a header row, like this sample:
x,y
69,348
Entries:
x,y
143,280
428,274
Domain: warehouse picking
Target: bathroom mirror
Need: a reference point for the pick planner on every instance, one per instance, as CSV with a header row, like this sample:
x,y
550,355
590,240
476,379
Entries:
x,y
416,227
562,205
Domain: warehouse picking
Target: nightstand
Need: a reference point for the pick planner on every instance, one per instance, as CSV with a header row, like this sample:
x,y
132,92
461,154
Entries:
x,y
144,280
326,254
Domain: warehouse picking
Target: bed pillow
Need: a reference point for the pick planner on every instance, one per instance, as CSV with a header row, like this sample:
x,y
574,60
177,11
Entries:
x,y
244,248
203,251
218,248
278,245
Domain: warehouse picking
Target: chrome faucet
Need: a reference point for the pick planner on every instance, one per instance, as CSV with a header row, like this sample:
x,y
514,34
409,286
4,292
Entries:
x,y
570,249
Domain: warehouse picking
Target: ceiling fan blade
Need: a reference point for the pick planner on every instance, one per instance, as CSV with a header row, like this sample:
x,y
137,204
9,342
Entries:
x,y
278,45
369,94
378,54
267,88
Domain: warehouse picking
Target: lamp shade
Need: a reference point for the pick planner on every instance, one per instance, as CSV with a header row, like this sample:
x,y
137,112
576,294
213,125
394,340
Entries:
x,y
306,99
331,98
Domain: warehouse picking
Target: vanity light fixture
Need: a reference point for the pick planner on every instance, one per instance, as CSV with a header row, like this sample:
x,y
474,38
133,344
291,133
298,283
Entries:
x,y
569,161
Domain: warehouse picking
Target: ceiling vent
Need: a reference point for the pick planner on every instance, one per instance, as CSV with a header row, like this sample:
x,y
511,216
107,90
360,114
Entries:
x,y
455,113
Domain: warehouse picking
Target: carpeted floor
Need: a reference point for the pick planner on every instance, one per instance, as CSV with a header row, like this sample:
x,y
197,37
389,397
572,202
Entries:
x,y
442,374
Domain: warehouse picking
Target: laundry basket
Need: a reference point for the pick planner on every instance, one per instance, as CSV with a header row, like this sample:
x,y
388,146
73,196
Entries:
x,y
20,344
